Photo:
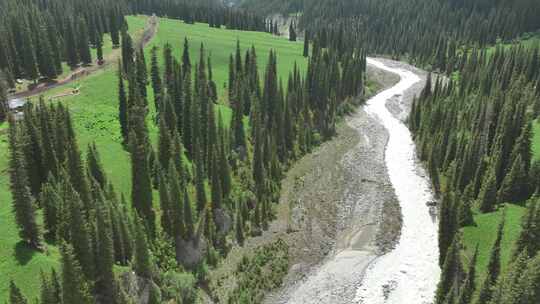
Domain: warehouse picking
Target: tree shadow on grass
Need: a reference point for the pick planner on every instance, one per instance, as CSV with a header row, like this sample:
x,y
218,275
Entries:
x,y
24,252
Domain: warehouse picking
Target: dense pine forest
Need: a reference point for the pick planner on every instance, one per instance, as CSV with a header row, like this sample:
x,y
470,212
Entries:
x,y
210,181
421,31
38,36
218,180
482,163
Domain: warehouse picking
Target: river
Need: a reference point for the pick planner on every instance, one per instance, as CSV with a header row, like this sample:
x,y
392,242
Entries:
x,y
382,167
410,272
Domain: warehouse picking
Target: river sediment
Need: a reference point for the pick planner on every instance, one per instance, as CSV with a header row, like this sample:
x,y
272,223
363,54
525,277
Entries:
x,y
408,273
362,218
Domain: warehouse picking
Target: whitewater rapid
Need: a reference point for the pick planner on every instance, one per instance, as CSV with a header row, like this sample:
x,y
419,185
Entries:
x,y
409,273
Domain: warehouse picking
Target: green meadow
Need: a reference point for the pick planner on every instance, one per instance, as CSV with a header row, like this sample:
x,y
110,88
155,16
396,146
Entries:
x,y
95,111
485,233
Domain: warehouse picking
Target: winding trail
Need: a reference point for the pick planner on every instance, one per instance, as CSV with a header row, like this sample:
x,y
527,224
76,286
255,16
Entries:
x,y
410,272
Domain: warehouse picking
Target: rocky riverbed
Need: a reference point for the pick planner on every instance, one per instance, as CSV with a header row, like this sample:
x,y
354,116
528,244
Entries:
x,y
343,208
338,211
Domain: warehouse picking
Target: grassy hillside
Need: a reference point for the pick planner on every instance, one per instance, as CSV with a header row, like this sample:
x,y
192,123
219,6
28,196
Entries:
x,y
485,232
94,113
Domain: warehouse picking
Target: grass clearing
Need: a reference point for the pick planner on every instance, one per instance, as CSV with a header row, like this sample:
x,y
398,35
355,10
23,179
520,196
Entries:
x,y
484,234
527,40
95,111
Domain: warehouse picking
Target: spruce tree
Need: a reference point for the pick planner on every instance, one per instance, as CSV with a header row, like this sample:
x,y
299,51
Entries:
x,y
292,32
488,193
450,274
83,43
95,168
55,43
50,292
232,80
467,288
99,50
156,79
141,74
165,205
3,99
177,156
55,287
239,228
32,149
28,53
464,214
177,203
46,66
168,73
142,262
212,141
75,288
188,115
50,160
186,62
122,107
237,123
71,49
529,238
446,226
164,144
513,188
45,292
114,29
15,294
188,217
128,52
217,194
177,100
200,185
105,282
141,189
512,286
258,162
306,43
212,88
79,230
75,166
154,296
23,202
224,167
50,202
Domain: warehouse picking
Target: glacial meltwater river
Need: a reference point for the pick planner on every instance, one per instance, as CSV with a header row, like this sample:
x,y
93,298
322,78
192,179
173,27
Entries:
x,y
409,273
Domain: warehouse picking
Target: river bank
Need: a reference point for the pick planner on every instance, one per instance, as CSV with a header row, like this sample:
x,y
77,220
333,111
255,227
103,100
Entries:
x,y
338,210
348,213
409,273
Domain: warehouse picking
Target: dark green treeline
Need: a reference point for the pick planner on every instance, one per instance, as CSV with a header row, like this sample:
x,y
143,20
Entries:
x,y
36,37
482,162
217,171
